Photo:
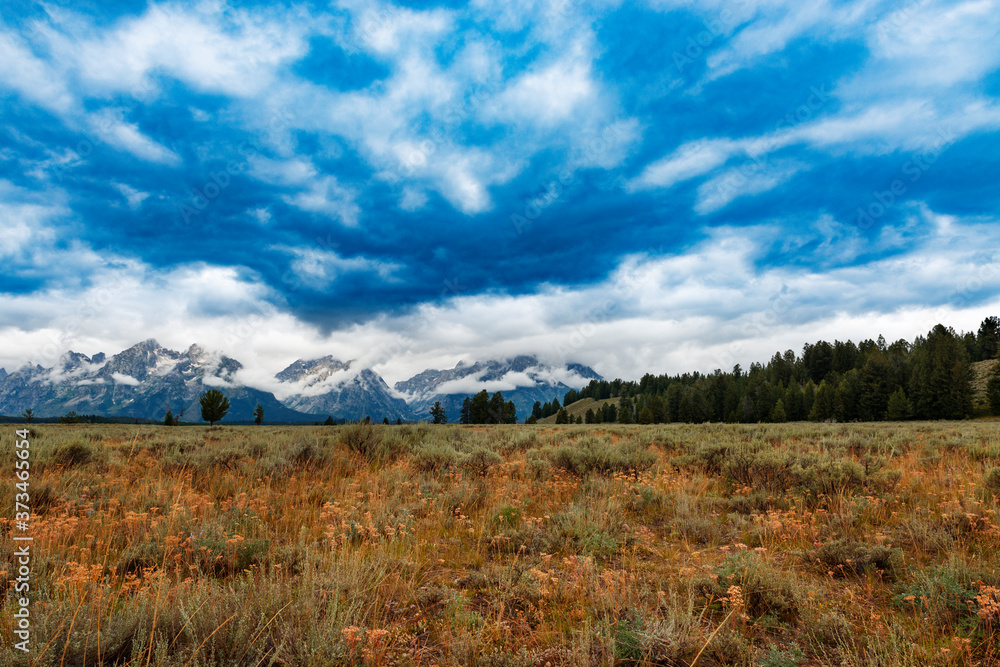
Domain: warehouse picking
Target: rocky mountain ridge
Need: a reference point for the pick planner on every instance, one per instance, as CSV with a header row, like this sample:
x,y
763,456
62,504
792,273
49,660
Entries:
x,y
147,379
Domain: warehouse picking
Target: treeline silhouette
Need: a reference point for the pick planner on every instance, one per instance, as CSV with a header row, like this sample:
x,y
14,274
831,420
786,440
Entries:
x,y
929,378
482,409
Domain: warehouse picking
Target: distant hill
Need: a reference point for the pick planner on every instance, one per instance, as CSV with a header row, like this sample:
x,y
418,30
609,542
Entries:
x,y
579,408
980,376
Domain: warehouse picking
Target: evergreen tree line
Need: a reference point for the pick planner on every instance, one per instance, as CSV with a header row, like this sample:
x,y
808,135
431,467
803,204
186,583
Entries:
x,y
929,378
482,409
542,410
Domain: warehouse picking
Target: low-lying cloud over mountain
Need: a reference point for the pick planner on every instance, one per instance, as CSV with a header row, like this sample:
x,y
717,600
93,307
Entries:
x,y
147,379
522,379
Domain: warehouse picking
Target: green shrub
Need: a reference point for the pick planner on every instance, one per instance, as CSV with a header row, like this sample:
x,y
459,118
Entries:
x,y
991,483
537,465
590,455
766,591
361,438
507,517
75,453
433,458
844,557
479,461
943,593
792,656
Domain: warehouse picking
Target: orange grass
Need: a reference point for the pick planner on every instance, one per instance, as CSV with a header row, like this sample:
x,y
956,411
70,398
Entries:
x,y
793,544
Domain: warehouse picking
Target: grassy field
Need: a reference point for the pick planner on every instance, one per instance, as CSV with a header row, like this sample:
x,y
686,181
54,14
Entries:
x,y
798,544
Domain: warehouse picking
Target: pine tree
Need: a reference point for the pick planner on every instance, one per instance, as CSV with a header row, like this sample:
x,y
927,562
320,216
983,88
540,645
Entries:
x,y
28,415
479,408
589,417
874,387
168,419
258,415
510,413
993,389
214,406
562,417
822,408
778,413
497,411
899,406
438,415
988,339
329,421
940,386
465,416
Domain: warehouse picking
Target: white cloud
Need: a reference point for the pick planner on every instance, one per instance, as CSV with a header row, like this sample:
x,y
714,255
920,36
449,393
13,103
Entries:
x,y
318,268
327,197
212,47
32,77
128,380
110,127
132,196
261,215
745,180
689,160
550,95
472,384
413,199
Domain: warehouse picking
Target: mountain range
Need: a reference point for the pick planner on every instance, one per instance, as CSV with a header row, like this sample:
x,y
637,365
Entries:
x,y
147,379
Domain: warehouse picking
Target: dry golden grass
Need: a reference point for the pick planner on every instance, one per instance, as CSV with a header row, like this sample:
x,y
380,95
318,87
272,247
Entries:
x,y
800,544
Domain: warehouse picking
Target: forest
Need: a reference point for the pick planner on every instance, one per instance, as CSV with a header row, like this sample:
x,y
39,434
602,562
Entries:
x,y
930,378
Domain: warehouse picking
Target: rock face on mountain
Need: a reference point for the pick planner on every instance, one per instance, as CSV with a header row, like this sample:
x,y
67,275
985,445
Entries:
x,y
143,381
522,379
328,386
147,379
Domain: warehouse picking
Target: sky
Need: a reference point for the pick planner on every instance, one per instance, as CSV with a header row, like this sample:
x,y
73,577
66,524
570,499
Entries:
x,y
640,187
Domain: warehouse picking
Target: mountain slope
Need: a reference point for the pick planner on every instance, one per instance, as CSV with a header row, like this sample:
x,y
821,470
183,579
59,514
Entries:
x,y
522,379
143,381
331,387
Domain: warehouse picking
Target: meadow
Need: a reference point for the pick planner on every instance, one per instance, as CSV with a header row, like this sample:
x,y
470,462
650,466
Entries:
x,y
509,546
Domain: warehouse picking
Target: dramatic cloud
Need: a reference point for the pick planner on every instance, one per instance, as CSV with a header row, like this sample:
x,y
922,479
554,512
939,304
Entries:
x,y
636,186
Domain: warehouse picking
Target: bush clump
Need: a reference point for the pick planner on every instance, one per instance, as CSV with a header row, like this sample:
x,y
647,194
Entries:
x,y
844,557
479,461
764,591
590,455
361,438
433,458
75,453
